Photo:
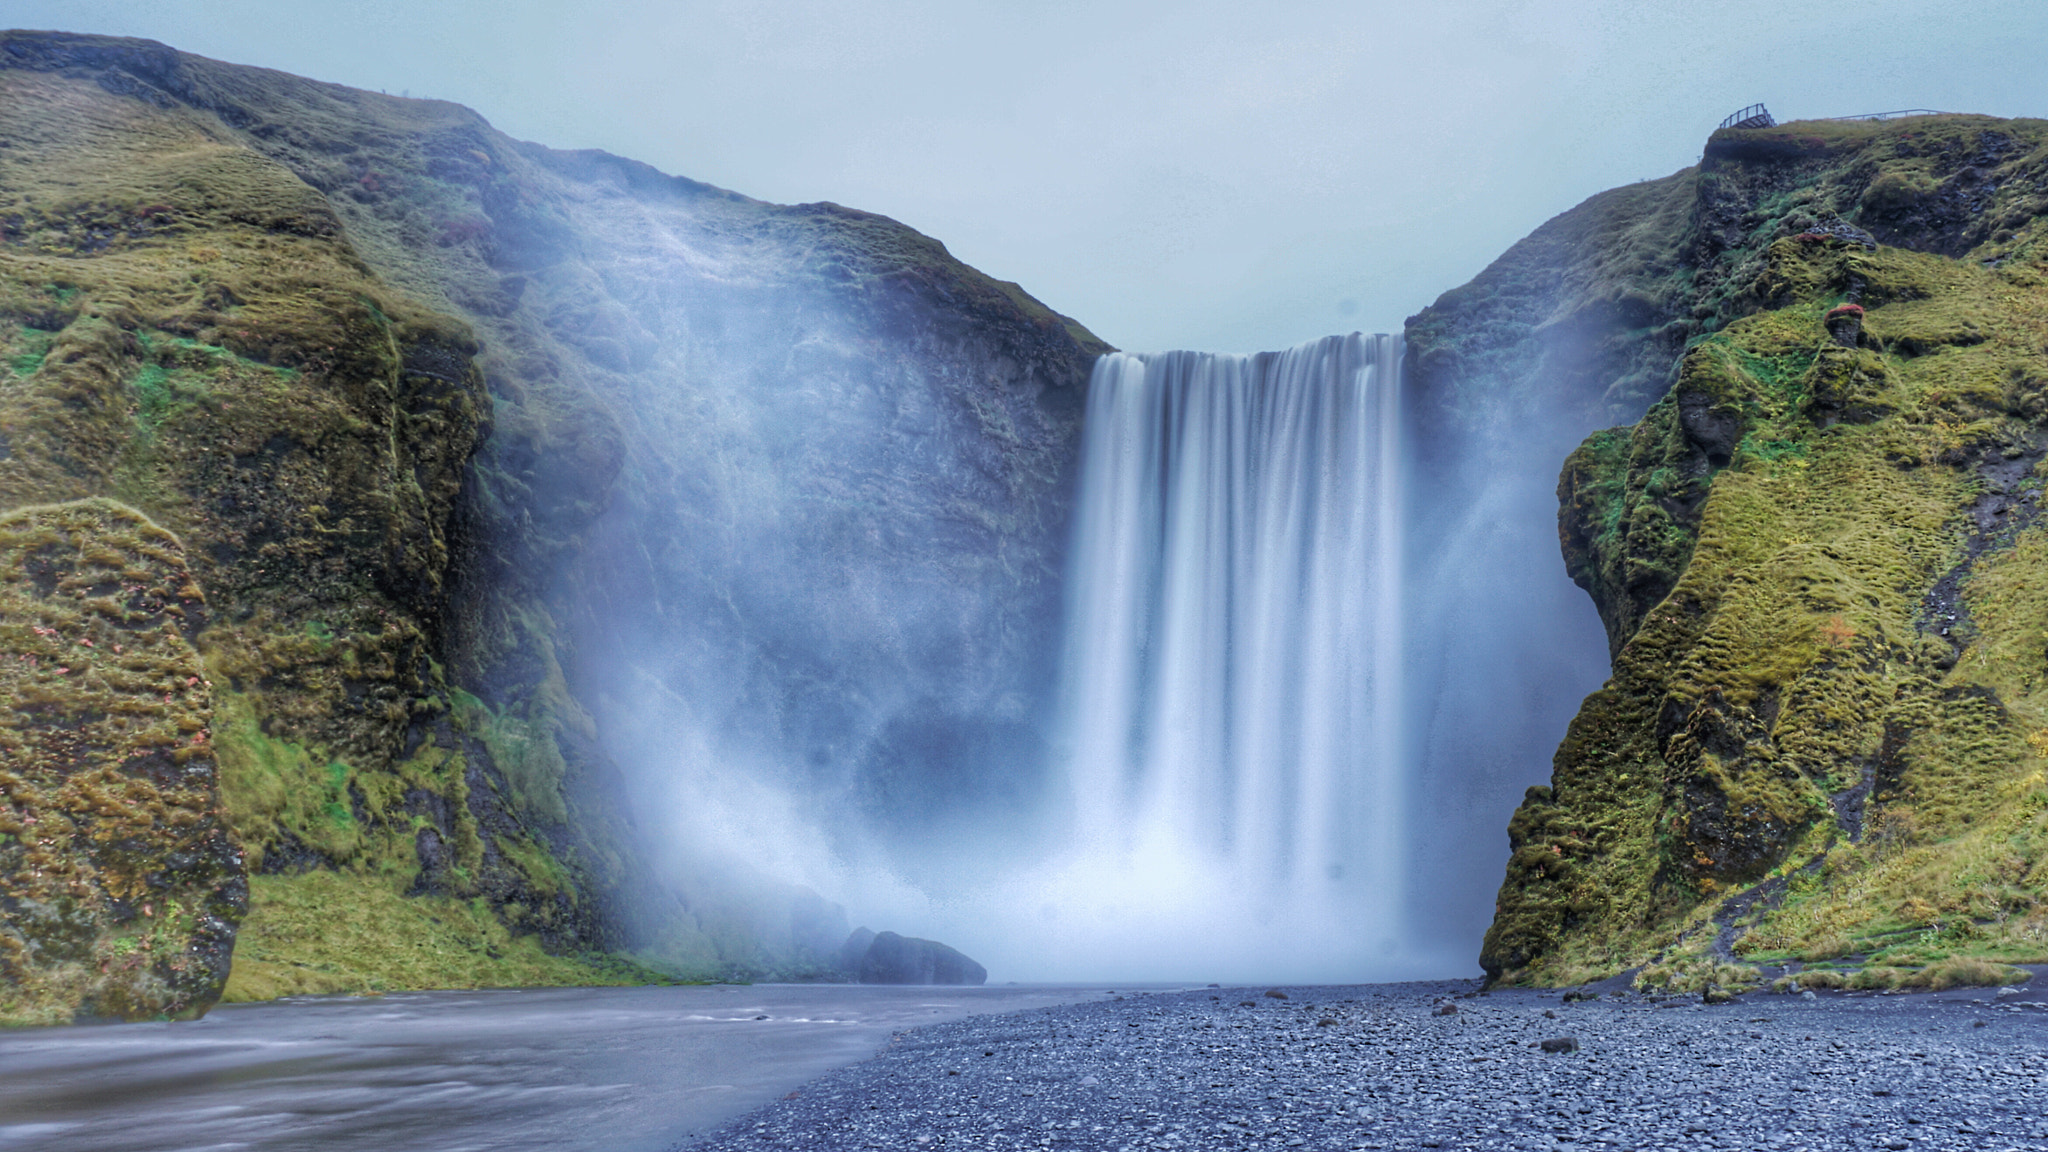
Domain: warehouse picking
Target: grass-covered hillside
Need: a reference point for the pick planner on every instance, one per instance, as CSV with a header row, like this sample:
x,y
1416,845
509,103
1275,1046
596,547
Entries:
x,y
1817,554
309,400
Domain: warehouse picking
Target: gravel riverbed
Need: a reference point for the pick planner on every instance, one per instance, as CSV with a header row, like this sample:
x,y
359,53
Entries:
x,y
1385,1067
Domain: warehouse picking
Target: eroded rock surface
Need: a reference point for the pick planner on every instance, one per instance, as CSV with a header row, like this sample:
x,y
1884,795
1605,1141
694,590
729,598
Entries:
x,y
120,884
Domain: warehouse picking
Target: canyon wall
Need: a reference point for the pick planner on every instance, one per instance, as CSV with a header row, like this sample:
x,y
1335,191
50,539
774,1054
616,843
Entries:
x,y
1814,551
409,458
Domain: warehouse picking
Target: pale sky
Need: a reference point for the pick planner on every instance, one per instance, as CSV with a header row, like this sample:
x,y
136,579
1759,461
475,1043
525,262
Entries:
x,y
1226,176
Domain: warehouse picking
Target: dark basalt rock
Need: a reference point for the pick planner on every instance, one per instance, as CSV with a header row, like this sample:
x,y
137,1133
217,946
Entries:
x,y
854,951
893,959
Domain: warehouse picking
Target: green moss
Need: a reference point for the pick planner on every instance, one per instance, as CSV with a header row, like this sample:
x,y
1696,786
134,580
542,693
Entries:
x,y
27,350
120,882
522,745
348,932
1773,649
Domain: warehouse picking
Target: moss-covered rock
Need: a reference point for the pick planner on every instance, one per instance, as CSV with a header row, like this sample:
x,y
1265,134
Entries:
x,y
1814,557
120,885
384,371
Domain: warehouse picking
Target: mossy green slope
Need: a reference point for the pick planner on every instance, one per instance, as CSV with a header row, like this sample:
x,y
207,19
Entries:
x,y
191,332
1817,557
372,362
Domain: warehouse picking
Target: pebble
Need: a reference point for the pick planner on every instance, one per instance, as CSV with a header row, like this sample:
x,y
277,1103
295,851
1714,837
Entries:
x,y
1374,1067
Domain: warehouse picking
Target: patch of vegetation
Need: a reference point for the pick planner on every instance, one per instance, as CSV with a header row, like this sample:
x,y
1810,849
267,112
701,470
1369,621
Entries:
x,y
325,932
121,884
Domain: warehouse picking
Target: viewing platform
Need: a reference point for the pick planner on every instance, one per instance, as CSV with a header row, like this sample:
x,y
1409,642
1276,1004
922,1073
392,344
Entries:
x,y
1754,116
1758,116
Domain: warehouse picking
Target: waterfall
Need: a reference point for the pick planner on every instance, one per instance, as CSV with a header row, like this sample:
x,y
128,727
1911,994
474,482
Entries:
x,y
1232,716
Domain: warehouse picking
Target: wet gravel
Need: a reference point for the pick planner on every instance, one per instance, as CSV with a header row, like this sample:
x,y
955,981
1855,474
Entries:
x,y
1385,1067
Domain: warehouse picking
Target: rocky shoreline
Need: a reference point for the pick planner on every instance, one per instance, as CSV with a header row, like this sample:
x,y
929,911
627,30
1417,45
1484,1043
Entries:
x,y
1445,1065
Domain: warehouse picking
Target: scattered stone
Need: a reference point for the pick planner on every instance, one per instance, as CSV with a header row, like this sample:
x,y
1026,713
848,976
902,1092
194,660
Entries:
x,y
1276,994
1202,1077
1715,994
1445,1009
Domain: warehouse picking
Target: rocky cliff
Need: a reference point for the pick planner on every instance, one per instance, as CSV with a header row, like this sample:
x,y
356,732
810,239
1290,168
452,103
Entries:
x,y
346,440
1815,551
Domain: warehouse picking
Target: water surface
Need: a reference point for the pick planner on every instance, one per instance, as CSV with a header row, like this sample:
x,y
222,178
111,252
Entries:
x,y
621,1069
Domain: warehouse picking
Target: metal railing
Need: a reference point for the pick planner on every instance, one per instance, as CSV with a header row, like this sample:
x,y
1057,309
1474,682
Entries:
x,y
1890,115
1754,116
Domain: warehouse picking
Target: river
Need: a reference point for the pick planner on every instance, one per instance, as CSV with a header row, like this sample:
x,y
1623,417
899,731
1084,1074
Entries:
x,y
621,1069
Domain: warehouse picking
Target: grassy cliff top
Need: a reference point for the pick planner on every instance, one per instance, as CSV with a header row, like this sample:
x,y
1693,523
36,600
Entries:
x,y
1590,313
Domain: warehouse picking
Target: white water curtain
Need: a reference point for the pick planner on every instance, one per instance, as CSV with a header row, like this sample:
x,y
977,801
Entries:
x,y
1232,701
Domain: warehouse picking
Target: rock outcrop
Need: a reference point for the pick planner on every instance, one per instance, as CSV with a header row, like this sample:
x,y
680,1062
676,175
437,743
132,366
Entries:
x,y
886,958
1816,555
416,404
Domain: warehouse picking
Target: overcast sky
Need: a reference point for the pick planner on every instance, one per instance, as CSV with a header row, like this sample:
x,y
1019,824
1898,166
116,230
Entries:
x,y
1227,176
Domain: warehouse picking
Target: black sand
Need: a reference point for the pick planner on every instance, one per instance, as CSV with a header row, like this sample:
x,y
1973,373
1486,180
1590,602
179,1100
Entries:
x,y
1376,1066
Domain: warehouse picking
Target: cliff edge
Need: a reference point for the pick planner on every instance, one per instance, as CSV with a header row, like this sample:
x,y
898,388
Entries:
x,y
1816,552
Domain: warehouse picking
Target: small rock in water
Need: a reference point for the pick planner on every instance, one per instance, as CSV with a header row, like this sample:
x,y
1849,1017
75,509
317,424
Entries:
x,y
1276,994
1549,1015
1445,1009
1091,1080
1325,1022
1247,1003
1561,1044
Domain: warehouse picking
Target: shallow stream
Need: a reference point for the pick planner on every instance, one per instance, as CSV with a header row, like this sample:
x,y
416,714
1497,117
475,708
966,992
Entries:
x,y
622,1069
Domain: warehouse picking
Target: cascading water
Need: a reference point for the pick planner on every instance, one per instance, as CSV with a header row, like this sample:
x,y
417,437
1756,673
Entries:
x,y
1232,725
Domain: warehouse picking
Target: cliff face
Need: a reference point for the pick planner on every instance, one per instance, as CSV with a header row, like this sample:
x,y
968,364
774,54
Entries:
x,y
1817,560
406,410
